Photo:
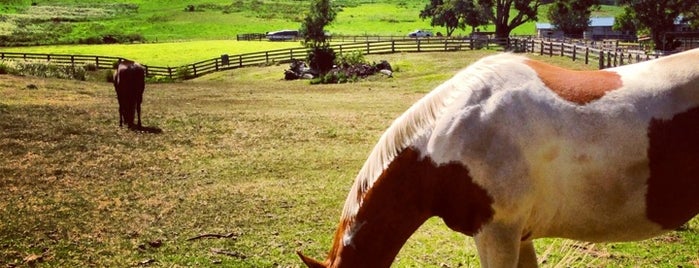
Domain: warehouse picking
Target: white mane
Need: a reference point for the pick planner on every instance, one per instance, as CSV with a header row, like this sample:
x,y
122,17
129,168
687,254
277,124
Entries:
x,y
419,120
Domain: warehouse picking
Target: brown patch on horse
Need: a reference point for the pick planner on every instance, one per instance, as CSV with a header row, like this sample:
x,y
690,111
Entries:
x,y
580,87
673,186
408,192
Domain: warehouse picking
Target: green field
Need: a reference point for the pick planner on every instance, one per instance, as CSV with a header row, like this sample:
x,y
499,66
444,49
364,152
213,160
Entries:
x,y
161,54
264,162
53,22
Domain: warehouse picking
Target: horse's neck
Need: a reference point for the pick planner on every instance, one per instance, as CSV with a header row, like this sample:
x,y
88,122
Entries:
x,y
409,191
389,213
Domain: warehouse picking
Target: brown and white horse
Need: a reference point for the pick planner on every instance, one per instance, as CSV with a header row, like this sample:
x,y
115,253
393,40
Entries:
x,y
511,149
129,84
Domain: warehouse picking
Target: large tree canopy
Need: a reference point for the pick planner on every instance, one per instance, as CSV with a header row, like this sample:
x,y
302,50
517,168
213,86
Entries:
x,y
453,14
655,16
572,16
499,11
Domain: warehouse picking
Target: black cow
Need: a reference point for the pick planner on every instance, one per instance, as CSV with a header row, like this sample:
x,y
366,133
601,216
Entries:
x,y
129,83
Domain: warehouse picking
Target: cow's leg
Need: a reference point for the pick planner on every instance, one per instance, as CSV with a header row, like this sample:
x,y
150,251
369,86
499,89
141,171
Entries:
x,y
499,245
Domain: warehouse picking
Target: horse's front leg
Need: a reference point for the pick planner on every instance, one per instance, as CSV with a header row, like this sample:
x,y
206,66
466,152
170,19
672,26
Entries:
x,y
527,255
499,246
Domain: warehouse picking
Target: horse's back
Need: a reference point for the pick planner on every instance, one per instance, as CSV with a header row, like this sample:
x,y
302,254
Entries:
x,y
129,75
578,154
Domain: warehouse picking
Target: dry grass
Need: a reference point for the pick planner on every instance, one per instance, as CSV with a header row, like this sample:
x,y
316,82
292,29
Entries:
x,y
264,162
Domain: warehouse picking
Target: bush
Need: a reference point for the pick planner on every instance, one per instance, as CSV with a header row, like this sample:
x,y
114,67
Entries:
x,y
184,73
45,69
108,75
6,68
321,59
350,59
90,67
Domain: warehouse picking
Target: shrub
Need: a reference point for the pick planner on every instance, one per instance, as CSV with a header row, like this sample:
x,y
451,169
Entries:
x,y
45,69
90,67
321,58
6,68
108,75
184,73
352,58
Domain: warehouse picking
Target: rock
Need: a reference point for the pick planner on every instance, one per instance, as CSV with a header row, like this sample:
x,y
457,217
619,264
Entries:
x,y
388,73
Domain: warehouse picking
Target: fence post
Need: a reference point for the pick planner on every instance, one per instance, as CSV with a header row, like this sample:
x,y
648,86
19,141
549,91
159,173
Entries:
x,y
601,60
393,46
291,53
587,55
216,64
609,59
470,42
97,62
169,72
367,46
621,59
575,52
418,45
194,67
72,61
541,52
550,49
240,60
563,49
266,56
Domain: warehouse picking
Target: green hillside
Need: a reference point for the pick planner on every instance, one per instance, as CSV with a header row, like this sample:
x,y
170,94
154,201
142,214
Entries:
x,y
89,22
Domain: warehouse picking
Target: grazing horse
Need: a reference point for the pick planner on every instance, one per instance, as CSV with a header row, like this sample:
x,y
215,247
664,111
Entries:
x,y
511,149
129,83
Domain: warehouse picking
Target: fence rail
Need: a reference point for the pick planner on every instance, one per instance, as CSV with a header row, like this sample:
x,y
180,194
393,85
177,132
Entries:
x,y
604,58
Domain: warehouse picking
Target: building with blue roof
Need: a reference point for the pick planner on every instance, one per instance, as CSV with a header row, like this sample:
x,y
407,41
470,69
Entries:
x,y
599,28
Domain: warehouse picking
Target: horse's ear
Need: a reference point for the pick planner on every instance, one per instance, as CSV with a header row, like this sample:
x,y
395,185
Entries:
x,y
311,263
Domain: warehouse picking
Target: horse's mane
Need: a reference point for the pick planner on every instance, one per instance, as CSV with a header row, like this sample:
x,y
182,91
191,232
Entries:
x,y
419,120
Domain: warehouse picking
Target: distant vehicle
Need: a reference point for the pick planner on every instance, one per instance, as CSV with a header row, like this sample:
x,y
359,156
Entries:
x,y
282,35
420,33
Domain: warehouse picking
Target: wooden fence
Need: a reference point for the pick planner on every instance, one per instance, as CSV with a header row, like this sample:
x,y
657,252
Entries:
x,y
227,62
100,62
604,58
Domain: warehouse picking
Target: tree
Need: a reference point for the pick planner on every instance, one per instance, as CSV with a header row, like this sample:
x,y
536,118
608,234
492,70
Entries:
x,y
321,56
498,12
453,14
572,16
313,27
656,16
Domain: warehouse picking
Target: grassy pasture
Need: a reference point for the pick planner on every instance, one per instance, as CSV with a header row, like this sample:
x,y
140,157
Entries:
x,y
162,54
53,22
264,162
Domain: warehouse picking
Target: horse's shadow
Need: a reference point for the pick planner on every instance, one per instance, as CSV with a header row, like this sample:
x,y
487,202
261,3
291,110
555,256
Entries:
x,y
147,129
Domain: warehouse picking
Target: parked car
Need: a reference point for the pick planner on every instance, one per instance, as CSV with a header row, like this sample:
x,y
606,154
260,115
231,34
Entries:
x,y
282,35
420,33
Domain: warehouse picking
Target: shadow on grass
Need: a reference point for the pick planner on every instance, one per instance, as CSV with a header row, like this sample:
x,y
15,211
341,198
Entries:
x,y
146,129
